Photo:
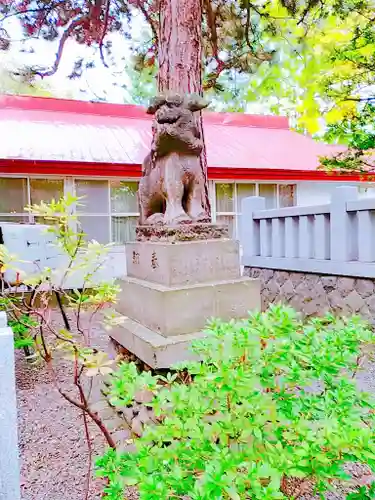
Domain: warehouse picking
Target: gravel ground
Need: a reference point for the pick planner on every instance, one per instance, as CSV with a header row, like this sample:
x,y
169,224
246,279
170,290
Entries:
x,y
54,455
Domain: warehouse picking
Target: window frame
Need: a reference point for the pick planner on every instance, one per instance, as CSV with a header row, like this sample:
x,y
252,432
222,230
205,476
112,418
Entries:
x,y
29,216
79,214
120,214
109,214
69,186
236,213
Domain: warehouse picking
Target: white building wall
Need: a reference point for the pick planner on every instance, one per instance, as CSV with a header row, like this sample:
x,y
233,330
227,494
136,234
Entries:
x,y
318,193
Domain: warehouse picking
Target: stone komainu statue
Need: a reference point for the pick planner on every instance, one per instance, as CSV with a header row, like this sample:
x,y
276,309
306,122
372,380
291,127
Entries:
x,y
172,186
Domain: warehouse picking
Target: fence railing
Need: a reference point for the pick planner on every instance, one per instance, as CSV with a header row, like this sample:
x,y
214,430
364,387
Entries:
x,y
335,238
9,464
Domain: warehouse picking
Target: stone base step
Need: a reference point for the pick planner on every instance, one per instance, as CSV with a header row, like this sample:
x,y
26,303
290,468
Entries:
x,y
151,347
186,309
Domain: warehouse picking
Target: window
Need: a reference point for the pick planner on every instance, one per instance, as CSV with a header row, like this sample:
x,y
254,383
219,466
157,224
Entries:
x,y
17,193
228,203
124,197
123,229
224,198
45,190
95,227
244,191
269,192
108,210
93,209
225,206
229,198
95,196
13,200
287,195
124,211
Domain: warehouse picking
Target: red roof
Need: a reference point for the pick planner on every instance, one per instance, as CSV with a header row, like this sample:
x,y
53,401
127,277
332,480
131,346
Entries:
x,y
45,130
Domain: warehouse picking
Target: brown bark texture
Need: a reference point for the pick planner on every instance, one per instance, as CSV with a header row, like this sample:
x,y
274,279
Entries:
x,y
180,59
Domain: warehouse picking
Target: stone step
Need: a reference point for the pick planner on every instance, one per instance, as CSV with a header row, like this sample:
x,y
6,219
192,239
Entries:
x,y
171,311
153,348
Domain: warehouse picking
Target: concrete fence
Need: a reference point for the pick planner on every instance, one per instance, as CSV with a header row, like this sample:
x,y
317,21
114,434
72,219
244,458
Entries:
x,y
337,238
9,464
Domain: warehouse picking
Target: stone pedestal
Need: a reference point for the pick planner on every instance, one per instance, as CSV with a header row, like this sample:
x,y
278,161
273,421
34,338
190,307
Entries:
x,y
173,288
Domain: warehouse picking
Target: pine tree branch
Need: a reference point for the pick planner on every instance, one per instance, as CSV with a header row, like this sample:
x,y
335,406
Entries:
x,y
104,32
149,19
69,30
30,11
248,25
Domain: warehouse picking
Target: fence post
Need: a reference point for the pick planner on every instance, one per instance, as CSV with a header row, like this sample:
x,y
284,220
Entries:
x,y
9,460
249,229
341,224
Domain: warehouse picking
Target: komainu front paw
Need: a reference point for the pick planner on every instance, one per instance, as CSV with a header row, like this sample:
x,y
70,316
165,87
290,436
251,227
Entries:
x,y
176,219
155,219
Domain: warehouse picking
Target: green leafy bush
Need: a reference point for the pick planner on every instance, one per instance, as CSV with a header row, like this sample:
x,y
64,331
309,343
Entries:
x,y
363,493
273,404
21,324
22,329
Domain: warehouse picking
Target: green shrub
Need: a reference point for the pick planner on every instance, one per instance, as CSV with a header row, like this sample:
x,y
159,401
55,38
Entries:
x,y
22,324
273,402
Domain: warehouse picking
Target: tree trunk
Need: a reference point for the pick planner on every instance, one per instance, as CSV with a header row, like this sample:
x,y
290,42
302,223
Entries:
x,y
180,59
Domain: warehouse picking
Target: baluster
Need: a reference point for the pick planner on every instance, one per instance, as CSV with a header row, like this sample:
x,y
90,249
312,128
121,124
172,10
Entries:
x,y
322,243
265,237
305,237
291,237
278,237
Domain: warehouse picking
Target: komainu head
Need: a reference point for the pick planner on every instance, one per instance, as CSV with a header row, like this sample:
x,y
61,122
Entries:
x,y
175,128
